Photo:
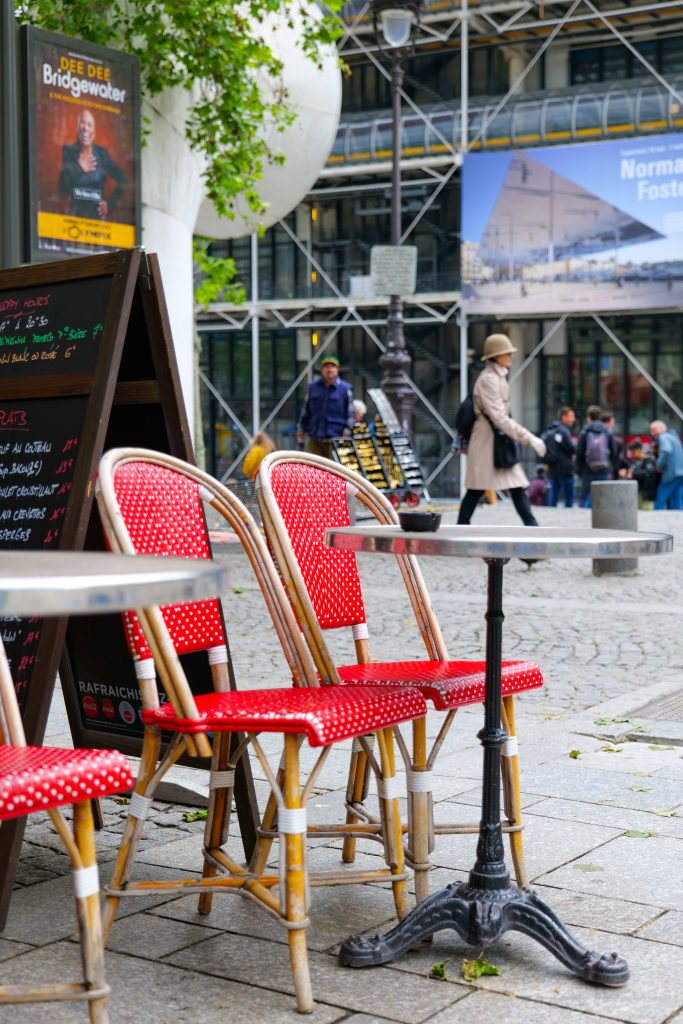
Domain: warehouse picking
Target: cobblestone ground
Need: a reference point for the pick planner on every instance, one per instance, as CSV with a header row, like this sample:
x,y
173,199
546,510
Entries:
x,y
603,830
595,637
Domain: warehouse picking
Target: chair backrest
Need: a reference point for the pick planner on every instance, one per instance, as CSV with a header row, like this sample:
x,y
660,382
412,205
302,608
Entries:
x,y
301,496
152,503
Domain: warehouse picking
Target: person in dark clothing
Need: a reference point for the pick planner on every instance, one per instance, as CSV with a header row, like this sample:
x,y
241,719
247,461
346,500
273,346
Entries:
x,y
328,411
643,469
86,168
620,461
559,457
595,454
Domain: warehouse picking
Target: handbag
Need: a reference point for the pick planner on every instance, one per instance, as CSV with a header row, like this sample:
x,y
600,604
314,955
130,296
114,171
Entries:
x,y
506,451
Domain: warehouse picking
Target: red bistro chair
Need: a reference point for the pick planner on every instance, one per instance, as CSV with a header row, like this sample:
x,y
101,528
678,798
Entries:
x,y
301,496
34,779
153,504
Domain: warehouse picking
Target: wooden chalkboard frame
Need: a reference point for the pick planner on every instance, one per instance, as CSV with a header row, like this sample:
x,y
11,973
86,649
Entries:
x,y
136,332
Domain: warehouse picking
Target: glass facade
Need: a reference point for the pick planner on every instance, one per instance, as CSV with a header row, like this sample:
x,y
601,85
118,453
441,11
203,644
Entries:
x,y
595,371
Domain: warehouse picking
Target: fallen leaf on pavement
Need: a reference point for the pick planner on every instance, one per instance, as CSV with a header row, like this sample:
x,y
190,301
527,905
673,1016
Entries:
x,y
586,868
473,969
634,834
439,970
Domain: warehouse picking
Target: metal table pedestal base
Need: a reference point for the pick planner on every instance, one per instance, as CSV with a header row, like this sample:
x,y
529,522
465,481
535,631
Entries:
x,y
489,905
481,917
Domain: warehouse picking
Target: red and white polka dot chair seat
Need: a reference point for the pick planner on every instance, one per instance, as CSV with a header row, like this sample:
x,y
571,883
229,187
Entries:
x,y
37,778
447,684
323,715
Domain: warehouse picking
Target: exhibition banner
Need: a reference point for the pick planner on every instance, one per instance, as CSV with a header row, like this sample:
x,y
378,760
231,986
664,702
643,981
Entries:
x,y
571,229
84,146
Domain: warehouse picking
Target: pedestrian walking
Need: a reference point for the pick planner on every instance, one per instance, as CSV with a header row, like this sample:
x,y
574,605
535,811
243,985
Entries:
x,y
328,410
491,395
559,456
669,465
595,454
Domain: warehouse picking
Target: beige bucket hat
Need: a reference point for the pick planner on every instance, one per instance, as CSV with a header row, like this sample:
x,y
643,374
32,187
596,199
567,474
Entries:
x,y
497,345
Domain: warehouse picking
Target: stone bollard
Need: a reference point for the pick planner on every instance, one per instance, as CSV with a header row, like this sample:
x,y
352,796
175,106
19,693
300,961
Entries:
x,y
614,506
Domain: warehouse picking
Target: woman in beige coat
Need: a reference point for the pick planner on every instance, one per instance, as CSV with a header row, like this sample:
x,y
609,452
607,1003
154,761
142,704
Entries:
x,y
492,398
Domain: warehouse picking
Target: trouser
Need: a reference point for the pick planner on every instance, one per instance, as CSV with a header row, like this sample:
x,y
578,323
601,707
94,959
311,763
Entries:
x,y
585,492
319,446
670,495
520,500
562,486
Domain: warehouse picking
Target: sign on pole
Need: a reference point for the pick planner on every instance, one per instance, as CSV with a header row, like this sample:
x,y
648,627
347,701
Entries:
x,y
393,269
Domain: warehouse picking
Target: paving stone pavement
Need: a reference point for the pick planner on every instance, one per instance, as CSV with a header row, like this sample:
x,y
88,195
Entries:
x,y
604,829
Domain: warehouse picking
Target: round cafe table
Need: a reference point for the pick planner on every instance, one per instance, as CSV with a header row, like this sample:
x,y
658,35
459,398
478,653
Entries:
x,y
482,909
87,583
44,583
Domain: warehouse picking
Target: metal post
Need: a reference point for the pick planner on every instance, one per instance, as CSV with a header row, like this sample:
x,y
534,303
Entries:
x,y
395,361
464,142
463,389
255,366
11,254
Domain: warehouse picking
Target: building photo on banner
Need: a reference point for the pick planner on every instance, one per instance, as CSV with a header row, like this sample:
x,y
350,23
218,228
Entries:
x,y
573,229
84,146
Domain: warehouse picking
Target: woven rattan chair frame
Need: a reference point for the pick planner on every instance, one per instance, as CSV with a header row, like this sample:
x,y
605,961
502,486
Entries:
x,y
419,761
283,814
46,778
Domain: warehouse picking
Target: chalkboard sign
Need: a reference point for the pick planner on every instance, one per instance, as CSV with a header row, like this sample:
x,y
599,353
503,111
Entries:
x,y
86,363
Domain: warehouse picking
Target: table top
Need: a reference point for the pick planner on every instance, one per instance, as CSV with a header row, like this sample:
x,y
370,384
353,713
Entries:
x,y
500,541
91,582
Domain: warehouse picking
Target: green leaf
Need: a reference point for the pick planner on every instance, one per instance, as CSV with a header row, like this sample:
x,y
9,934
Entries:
x,y
439,970
661,746
666,814
473,969
587,868
123,800
618,719
576,754
640,789
635,834
200,815
238,590
611,750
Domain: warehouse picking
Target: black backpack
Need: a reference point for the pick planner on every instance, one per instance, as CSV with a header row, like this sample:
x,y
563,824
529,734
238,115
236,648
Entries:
x,y
552,438
465,417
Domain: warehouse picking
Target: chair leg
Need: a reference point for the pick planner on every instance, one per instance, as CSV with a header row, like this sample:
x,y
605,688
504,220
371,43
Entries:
x,y
356,792
151,748
218,816
420,813
295,880
391,821
511,794
89,919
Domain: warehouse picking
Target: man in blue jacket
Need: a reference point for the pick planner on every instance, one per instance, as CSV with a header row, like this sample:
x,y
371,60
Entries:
x,y
670,465
328,410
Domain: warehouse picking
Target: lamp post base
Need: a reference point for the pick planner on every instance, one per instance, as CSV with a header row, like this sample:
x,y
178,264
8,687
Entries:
x,y
481,917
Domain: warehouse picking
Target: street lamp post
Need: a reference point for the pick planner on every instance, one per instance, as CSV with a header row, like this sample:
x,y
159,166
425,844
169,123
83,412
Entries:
x,y
397,21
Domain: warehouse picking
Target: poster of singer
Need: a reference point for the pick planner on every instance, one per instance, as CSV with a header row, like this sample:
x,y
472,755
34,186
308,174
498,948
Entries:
x,y
84,147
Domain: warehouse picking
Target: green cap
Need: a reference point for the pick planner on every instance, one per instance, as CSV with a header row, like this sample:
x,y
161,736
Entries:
x,y
329,359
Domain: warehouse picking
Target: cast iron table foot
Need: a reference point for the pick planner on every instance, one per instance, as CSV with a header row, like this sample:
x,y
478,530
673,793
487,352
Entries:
x,y
481,917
